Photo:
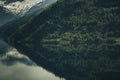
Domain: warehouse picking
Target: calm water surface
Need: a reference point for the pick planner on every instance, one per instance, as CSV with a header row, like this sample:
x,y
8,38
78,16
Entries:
x,y
15,66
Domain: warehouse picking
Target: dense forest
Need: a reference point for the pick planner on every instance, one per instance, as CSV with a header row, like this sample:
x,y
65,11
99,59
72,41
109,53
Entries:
x,y
80,38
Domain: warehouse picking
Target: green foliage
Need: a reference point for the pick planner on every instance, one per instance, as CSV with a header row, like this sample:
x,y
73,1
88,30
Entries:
x,y
118,41
80,34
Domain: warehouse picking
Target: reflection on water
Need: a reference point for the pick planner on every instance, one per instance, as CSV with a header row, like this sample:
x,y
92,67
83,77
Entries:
x,y
21,71
3,46
14,66
12,56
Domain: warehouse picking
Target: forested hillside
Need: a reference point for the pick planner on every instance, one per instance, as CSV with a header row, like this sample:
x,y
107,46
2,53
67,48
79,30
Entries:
x,y
81,37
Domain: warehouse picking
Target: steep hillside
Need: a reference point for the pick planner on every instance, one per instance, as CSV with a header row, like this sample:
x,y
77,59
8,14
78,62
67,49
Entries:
x,y
81,38
14,9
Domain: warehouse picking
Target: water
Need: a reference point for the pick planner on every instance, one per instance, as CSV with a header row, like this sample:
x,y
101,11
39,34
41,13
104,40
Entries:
x,y
3,47
16,66
21,71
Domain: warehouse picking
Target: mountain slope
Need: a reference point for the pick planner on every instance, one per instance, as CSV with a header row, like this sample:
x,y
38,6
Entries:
x,y
83,35
19,7
14,9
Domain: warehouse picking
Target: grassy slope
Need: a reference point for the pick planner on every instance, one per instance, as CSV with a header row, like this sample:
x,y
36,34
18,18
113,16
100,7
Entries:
x,y
81,34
